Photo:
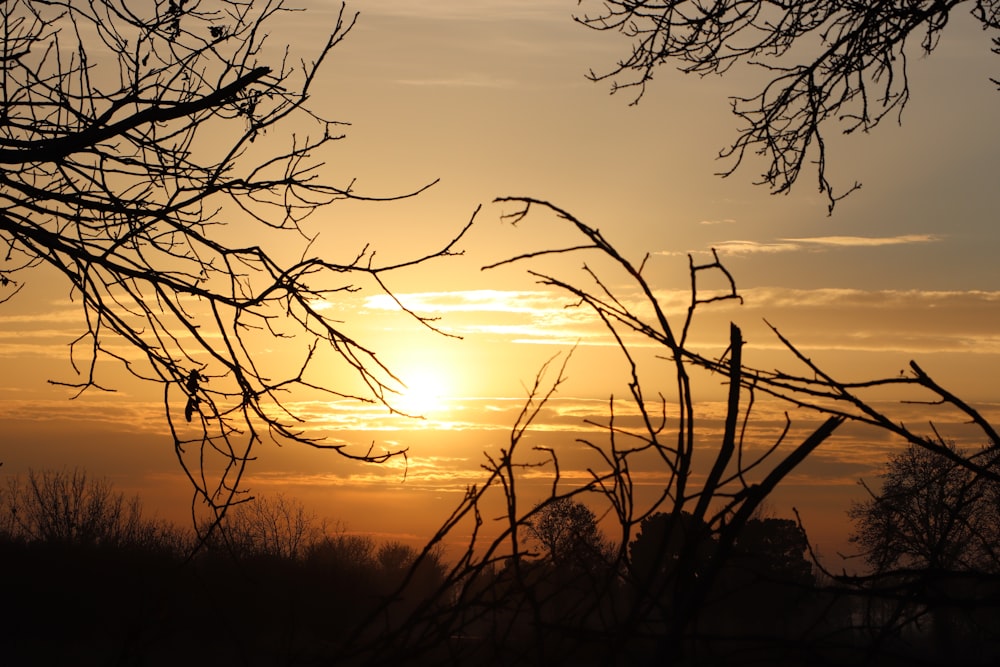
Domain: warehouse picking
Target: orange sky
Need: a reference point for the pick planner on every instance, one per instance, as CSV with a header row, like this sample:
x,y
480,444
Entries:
x,y
491,98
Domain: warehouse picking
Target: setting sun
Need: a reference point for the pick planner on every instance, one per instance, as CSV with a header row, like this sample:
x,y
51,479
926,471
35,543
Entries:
x,y
425,390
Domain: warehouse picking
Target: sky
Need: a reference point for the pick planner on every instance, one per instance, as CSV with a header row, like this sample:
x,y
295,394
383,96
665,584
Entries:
x,y
491,99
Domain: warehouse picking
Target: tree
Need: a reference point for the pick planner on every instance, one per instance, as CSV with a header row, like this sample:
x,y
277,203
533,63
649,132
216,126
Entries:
x,y
827,62
276,527
567,532
755,587
143,146
399,564
932,538
66,508
776,549
721,483
342,551
661,541
930,513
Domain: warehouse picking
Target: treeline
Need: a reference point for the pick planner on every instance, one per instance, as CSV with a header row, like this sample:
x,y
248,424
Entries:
x,y
89,580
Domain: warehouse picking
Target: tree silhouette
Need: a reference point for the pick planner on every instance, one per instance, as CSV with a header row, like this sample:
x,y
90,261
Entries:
x,y
67,508
660,543
827,63
776,549
719,484
538,614
271,527
930,513
567,532
151,154
931,536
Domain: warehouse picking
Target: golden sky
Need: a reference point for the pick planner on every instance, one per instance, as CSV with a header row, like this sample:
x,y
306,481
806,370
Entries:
x,y
491,98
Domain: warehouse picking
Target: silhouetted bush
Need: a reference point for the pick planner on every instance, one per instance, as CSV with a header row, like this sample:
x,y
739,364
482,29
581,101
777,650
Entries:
x,y
67,508
265,527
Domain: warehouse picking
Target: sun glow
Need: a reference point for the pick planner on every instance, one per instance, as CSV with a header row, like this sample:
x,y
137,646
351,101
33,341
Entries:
x,y
425,392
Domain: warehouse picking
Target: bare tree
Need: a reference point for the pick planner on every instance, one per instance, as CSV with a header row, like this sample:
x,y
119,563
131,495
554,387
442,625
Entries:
x,y
277,527
143,145
343,551
930,513
931,536
68,508
676,604
827,62
502,592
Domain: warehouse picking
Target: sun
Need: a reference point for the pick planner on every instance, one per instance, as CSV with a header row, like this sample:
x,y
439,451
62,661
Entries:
x,y
425,391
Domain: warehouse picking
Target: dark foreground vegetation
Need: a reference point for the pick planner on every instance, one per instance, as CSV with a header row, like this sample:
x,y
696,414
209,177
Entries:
x,y
88,580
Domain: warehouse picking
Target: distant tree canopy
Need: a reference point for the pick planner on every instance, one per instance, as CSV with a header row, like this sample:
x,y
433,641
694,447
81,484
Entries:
x,y
133,136
931,513
775,547
67,508
931,535
663,539
270,526
88,578
669,545
567,532
828,62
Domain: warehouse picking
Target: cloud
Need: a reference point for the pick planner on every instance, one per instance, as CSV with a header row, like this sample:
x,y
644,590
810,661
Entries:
x,y
551,311
122,412
738,247
59,334
535,317
782,297
865,241
831,318
458,413
53,315
882,321
810,244
439,473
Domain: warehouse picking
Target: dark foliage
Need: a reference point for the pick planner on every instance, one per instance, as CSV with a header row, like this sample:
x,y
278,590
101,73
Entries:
x,y
340,599
931,513
931,536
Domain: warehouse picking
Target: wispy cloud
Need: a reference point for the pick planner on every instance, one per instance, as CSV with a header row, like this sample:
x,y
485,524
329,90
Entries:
x,y
864,241
738,247
54,315
555,309
893,322
123,412
433,473
533,317
781,297
809,244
